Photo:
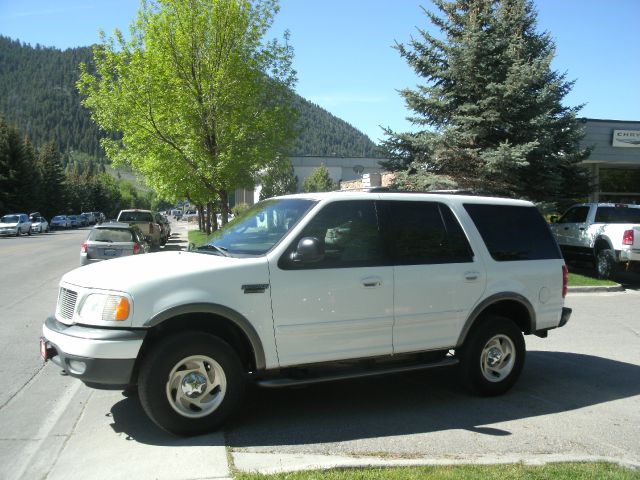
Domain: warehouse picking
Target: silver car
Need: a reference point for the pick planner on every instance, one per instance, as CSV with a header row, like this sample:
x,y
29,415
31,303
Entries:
x,y
15,224
39,225
112,240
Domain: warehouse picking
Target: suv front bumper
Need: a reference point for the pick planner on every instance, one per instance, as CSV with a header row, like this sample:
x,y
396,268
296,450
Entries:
x,y
100,357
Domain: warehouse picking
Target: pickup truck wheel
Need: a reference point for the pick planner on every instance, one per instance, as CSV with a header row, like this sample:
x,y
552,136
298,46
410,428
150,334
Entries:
x,y
191,383
493,356
605,263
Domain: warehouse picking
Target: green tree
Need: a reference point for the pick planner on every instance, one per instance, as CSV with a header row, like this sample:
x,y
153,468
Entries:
x,y
54,186
278,179
200,100
16,169
491,107
319,181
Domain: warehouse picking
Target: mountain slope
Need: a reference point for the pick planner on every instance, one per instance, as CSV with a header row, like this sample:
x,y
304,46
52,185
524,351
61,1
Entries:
x,y
38,94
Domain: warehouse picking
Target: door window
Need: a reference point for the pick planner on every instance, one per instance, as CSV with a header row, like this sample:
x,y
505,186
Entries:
x,y
575,215
424,233
348,233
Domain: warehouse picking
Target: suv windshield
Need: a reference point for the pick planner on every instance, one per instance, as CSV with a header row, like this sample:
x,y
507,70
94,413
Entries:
x,y
9,219
257,230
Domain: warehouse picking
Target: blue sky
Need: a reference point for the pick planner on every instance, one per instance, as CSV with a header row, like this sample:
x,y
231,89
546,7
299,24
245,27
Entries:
x,y
344,55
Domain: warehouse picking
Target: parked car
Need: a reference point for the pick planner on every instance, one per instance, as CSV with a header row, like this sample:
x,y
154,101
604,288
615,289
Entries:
x,y
165,228
15,224
91,217
83,220
74,221
607,234
39,225
318,287
60,221
100,217
112,240
146,221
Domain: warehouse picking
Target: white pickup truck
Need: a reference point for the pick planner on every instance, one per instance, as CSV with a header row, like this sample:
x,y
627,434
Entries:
x,y
606,233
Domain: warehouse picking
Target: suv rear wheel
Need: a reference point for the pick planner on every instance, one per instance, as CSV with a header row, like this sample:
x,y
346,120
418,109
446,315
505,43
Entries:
x,y
191,383
493,356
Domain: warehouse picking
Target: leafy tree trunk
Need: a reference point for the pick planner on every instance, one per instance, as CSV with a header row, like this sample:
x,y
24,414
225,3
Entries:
x,y
224,206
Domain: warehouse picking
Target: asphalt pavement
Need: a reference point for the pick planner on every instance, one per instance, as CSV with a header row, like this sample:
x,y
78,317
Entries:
x,y
578,400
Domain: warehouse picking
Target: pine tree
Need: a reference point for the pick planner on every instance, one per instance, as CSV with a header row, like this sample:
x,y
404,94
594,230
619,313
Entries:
x,y
279,179
319,181
15,171
491,108
53,185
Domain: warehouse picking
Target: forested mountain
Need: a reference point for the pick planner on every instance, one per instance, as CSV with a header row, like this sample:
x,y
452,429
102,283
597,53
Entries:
x,y
38,95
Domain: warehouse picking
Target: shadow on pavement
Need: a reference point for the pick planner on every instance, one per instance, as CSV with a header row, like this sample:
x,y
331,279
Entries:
x,y
552,382
174,244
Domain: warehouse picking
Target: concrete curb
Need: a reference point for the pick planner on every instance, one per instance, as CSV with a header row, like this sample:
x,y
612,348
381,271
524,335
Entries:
x,y
272,463
597,289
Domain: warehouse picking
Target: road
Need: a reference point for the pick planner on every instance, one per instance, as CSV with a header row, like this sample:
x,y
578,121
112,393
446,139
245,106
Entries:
x,y
578,398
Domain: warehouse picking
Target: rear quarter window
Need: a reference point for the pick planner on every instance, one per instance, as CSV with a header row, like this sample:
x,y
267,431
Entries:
x,y
513,233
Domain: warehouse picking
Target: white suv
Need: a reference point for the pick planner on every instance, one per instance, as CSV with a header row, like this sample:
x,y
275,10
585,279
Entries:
x,y
313,287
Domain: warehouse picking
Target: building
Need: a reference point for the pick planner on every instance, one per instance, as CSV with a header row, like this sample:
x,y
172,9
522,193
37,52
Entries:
x,y
341,169
614,160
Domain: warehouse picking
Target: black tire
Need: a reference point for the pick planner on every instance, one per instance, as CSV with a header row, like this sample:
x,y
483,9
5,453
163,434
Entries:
x,y
183,406
605,263
493,356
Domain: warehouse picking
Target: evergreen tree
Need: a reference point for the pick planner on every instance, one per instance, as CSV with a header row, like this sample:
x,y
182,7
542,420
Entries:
x,y
34,188
279,179
15,171
491,108
319,181
53,181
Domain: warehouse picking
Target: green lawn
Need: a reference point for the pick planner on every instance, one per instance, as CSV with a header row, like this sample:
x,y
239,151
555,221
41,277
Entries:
x,y
576,280
556,471
197,237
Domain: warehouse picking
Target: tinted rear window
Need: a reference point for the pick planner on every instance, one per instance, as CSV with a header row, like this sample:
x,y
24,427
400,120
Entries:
x,y
111,235
425,233
617,215
136,217
514,233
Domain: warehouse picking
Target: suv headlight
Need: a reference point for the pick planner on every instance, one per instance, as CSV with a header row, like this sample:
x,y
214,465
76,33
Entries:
x,y
98,307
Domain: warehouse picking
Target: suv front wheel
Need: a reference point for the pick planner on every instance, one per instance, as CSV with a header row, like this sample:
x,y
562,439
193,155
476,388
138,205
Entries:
x,y
191,383
493,356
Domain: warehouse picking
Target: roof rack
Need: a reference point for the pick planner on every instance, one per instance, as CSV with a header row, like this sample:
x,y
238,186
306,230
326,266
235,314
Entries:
x,y
441,192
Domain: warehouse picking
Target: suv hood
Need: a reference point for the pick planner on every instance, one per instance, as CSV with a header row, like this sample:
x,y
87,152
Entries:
x,y
15,224
128,274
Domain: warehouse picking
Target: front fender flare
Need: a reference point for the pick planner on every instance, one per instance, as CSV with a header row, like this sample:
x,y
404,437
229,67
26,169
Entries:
x,y
220,310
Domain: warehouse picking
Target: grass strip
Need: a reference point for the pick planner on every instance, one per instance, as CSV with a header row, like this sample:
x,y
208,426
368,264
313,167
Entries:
x,y
553,471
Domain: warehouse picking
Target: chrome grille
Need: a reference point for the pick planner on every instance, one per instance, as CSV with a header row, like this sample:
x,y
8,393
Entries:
x,y
67,303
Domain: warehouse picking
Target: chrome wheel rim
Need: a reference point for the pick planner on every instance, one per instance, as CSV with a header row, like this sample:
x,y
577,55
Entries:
x,y
498,358
196,386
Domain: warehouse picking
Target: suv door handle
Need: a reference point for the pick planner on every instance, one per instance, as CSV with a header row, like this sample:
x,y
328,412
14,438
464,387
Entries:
x,y
372,282
471,276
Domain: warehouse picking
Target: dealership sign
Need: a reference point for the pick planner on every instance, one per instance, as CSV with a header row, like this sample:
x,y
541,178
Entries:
x,y
626,138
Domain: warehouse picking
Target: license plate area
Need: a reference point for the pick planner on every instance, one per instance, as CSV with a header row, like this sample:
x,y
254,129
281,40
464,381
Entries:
x,y
43,349
110,252
47,352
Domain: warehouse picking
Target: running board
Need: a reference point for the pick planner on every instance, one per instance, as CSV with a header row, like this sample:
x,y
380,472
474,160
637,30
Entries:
x,y
289,382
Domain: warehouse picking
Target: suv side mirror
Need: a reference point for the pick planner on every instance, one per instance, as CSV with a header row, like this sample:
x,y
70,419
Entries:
x,y
553,219
309,250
